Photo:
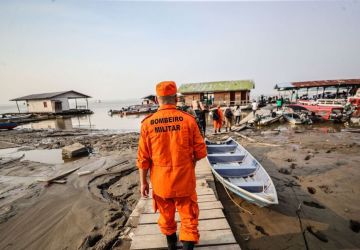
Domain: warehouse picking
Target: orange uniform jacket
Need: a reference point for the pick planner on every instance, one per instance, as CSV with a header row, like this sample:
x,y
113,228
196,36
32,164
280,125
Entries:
x,y
218,123
170,143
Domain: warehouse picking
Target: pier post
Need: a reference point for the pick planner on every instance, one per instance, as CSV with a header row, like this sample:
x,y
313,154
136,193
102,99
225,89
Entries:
x,y
17,104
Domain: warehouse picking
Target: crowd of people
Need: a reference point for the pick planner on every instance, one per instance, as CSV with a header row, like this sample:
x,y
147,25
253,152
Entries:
x,y
221,117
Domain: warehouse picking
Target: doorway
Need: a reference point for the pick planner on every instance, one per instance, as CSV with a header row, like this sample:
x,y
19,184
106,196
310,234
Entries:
x,y
58,107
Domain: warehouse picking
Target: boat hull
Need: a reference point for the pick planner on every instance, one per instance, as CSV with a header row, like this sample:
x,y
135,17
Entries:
x,y
8,125
250,169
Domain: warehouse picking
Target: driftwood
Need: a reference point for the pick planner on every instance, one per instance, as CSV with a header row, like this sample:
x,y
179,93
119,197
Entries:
x,y
60,176
245,137
117,164
11,160
240,128
85,172
59,181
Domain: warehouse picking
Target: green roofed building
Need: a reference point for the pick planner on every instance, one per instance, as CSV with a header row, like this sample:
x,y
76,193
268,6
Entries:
x,y
221,92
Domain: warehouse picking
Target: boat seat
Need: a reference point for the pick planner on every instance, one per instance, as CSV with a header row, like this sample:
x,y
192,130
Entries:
x,y
248,184
222,158
234,169
213,149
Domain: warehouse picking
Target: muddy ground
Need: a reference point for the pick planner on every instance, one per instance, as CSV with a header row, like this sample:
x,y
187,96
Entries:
x,y
86,212
314,169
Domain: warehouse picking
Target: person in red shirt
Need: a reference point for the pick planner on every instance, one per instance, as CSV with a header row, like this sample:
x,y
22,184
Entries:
x,y
170,144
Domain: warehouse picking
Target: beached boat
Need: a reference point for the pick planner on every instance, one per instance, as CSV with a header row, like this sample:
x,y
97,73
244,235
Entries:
x,y
240,172
8,125
294,118
13,118
267,120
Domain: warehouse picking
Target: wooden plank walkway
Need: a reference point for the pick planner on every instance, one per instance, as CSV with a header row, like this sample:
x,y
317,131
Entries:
x,y
215,232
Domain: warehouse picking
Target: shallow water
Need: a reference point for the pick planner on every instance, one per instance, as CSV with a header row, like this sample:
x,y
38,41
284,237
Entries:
x,y
48,156
99,120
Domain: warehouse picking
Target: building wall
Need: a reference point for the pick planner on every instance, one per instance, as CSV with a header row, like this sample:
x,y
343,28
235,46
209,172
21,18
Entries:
x,y
221,97
191,97
241,97
37,106
64,103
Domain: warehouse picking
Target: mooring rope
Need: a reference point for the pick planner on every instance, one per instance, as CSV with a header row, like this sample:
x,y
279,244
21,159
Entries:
x,y
246,210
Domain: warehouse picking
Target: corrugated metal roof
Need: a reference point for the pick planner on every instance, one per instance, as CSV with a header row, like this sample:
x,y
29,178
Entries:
x,y
312,84
216,86
47,96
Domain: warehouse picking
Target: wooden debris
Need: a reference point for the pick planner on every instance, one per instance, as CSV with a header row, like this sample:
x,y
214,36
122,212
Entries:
x,y
117,164
7,160
63,181
245,137
76,149
59,176
85,172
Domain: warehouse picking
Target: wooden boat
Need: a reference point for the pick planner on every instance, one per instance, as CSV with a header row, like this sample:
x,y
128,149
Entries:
x,y
267,120
135,110
12,118
294,118
240,172
8,125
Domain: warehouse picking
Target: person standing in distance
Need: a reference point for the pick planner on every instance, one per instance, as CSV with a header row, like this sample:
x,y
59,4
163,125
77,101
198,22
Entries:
x,y
170,144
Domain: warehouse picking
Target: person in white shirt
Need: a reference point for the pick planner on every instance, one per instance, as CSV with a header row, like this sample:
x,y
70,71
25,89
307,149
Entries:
x,y
237,114
254,107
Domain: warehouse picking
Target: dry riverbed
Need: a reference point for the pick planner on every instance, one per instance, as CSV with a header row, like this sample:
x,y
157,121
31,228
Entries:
x,y
314,169
85,212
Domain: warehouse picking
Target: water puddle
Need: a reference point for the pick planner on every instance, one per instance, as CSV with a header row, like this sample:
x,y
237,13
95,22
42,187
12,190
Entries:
x,y
48,156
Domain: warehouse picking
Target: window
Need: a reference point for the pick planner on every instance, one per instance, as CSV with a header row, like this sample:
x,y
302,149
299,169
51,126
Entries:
x,y
45,104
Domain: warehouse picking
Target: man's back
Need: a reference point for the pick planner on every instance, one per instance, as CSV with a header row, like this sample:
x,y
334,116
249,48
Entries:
x,y
171,143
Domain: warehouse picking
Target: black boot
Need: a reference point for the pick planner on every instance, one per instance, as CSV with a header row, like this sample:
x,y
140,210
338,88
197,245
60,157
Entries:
x,y
171,241
188,245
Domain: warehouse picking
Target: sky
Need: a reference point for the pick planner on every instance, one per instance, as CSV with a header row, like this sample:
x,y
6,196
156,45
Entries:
x,y
114,50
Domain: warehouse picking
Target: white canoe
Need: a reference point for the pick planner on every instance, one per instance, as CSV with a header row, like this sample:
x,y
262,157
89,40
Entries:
x,y
240,172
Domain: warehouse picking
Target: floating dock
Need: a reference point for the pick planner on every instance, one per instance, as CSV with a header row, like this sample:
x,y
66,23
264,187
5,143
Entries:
x,y
215,232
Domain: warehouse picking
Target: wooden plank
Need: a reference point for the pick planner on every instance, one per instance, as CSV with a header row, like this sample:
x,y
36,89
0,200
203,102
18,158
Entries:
x,y
207,238
202,206
203,215
207,197
204,191
204,225
59,176
199,191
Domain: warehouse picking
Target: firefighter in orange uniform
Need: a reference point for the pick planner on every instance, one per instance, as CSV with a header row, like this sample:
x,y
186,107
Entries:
x,y
170,144
218,118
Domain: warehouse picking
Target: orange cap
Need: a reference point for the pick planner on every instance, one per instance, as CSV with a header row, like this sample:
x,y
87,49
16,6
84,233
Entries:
x,y
166,88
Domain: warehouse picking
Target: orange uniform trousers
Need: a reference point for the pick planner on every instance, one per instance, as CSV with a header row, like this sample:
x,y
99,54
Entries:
x,y
218,124
189,215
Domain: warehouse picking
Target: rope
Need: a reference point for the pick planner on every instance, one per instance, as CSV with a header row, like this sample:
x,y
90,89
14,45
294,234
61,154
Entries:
x,y
248,211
